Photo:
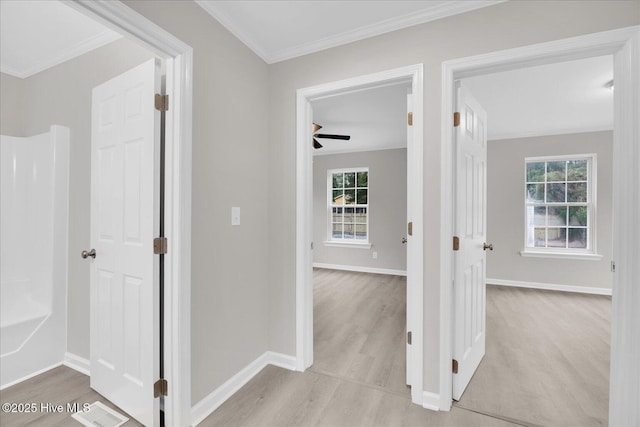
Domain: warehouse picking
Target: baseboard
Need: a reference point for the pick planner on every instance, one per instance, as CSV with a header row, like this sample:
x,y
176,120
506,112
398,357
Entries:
x,y
77,363
431,401
550,286
210,403
389,271
31,375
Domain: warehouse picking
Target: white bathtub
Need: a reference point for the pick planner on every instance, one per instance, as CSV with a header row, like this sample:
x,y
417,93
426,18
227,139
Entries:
x,y
33,261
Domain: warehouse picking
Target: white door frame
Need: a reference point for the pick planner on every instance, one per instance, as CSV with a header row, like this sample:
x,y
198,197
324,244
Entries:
x,y
179,87
304,215
604,43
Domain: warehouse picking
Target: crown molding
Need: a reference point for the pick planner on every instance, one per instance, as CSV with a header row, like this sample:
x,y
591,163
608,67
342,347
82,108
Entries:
x,y
212,8
80,48
440,11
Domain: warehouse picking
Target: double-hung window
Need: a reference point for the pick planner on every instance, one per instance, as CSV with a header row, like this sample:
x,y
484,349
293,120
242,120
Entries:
x,y
560,205
348,205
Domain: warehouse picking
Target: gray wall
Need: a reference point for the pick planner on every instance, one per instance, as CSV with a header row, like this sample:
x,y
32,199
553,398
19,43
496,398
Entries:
x,y
502,26
505,212
62,95
11,105
387,209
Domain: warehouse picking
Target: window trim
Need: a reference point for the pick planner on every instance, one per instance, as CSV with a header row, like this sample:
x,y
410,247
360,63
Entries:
x,y
346,243
589,253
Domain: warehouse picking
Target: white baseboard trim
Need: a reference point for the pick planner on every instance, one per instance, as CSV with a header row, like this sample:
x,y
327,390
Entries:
x,y
361,269
431,401
210,403
550,286
77,363
26,377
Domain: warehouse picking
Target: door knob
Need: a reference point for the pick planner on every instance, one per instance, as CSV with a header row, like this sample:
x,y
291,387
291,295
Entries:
x,y
86,254
404,240
489,246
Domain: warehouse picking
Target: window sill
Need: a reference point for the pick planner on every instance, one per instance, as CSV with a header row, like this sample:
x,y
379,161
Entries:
x,y
356,245
561,255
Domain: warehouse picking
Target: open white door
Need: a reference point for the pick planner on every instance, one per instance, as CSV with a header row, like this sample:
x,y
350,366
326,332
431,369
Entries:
x,y
470,231
124,221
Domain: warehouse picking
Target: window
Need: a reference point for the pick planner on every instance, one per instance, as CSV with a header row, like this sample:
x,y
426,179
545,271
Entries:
x,y
348,205
560,204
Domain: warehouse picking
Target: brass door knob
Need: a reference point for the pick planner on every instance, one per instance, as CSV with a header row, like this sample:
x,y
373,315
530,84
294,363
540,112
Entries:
x,y
86,254
489,246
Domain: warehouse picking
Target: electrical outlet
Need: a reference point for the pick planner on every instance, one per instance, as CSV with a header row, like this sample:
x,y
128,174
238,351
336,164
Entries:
x,y
375,255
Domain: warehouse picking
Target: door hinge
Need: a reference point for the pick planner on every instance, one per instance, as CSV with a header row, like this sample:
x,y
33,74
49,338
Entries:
x,y
162,102
454,366
160,245
160,388
410,228
409,337
613,266
456,119
456,243
410,119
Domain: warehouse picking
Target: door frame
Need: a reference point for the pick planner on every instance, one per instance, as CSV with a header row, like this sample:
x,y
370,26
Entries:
x,y
597,44
304,216
178,137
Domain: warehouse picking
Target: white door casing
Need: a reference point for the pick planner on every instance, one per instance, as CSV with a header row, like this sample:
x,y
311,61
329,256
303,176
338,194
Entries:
x,y
124,221
408,243
470,227
304,272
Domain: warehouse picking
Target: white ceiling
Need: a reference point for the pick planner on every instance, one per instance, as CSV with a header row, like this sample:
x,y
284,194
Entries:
x,y
549,99
374,118
36,35
279,30
566,97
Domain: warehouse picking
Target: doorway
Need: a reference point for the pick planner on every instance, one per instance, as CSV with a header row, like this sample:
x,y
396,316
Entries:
x,y
565,246
178,57
304,219
623,44
360,217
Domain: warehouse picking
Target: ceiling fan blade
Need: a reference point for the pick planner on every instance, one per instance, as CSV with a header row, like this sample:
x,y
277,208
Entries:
x,y
316,144
329,136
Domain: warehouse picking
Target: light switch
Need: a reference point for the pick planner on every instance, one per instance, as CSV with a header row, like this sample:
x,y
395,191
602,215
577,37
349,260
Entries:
x,y
235,216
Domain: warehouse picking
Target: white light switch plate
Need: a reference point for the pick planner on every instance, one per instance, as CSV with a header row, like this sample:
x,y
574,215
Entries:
x,y
235,216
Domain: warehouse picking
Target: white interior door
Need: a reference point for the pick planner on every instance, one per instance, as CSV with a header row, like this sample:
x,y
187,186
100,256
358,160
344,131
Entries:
x,y
407,240
124,221
470,228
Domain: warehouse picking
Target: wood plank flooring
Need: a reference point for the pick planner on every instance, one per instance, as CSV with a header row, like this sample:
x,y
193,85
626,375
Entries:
x,y
58,386
358,375
547,358
547,363
359,328
277,397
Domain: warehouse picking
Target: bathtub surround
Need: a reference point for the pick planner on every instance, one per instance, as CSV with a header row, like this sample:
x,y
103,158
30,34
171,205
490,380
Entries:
x,y
33,266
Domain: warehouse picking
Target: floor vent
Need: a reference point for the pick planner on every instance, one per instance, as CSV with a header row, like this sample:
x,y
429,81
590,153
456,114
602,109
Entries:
x,y
99,415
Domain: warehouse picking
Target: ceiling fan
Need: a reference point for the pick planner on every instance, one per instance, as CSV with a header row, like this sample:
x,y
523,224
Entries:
x,y
316,128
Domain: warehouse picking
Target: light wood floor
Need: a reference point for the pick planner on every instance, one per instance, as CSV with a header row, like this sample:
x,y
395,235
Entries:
x,y
547,363
58,386
360,328
547,358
